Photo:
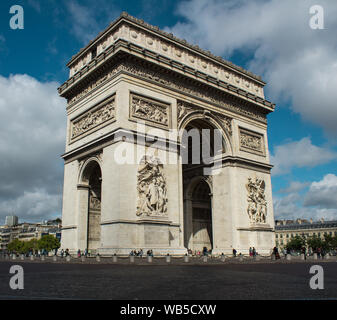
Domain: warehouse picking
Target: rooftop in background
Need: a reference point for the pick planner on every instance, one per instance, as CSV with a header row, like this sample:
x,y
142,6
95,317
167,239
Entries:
x,y
303,224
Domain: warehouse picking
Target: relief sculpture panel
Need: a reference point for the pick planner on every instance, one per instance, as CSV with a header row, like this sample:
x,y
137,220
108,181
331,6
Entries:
x,y
95,117
257,204
149,110
252,142
151,187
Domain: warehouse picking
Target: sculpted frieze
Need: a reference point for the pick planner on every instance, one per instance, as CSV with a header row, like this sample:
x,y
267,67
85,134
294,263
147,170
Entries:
x,y
251,142
93,118
167,80
149,110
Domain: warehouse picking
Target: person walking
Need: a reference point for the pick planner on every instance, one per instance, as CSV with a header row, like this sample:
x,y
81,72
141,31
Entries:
x,y
78,253
304,252
234,252
254,252
250,251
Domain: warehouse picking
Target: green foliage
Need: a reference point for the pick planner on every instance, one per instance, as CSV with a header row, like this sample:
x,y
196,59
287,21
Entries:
x,y
48,243
296,243
315,242
16,246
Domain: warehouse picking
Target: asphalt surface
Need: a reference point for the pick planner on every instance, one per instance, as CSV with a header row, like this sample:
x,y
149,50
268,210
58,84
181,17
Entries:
x,y
177,281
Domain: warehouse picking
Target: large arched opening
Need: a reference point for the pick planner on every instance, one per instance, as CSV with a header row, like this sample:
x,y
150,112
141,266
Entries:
x,y
200,148
92,178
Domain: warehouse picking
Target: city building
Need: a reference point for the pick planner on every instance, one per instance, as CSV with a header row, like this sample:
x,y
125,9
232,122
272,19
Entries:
x,y
11,221
140,91
285,230
28,231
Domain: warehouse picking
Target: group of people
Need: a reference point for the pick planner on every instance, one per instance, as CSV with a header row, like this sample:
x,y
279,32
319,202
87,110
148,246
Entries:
x,y
140,253
85,253
198,253
252,252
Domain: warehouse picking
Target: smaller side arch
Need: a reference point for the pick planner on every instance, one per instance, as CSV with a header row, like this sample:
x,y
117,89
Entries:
x,y
86,168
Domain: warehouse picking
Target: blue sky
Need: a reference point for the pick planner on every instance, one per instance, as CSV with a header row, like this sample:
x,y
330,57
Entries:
x,y
271,38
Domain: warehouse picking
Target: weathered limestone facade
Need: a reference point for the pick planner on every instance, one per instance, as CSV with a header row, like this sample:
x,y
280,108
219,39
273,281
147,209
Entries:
x,y
127,92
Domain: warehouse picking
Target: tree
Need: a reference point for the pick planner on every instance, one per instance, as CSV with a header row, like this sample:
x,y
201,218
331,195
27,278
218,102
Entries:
x,y
48,243
16,246
315,242
296,243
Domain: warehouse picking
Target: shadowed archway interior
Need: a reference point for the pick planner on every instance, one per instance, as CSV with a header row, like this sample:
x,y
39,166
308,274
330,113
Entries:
x,y
93,176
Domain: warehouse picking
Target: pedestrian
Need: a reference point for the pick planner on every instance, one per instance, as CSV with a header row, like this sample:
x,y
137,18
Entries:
x,y
79,253
250,251
304,253
275,252
234,252
62,253
254,252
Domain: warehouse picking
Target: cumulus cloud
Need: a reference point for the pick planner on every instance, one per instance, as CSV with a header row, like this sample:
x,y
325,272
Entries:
x,y
299,154
32,140
298,63
295,186
318,202
323,194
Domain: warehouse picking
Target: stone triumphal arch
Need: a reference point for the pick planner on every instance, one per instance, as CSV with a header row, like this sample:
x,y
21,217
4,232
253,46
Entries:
x,y
139,103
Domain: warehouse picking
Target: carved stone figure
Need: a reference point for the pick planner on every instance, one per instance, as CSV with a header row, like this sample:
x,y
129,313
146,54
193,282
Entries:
x,y
149,110
257,204
94,118
152,198
250,141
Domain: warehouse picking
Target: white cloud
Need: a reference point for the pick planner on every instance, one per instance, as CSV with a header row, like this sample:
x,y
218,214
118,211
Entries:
x,y
295,186
323,194
318,202
299,63
32,139
299,154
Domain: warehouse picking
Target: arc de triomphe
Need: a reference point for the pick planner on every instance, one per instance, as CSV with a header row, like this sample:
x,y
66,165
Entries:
x,y
135,96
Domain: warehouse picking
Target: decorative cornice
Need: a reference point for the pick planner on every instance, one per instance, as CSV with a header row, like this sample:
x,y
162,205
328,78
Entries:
x,y
125,17
158,76
121,49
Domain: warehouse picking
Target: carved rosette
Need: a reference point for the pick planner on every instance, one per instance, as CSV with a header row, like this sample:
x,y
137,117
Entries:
x,y
95,117
251,142
151,187
149,110
257,204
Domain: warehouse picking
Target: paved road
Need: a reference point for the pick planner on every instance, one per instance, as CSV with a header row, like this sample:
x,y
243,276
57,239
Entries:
x,y
152,282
